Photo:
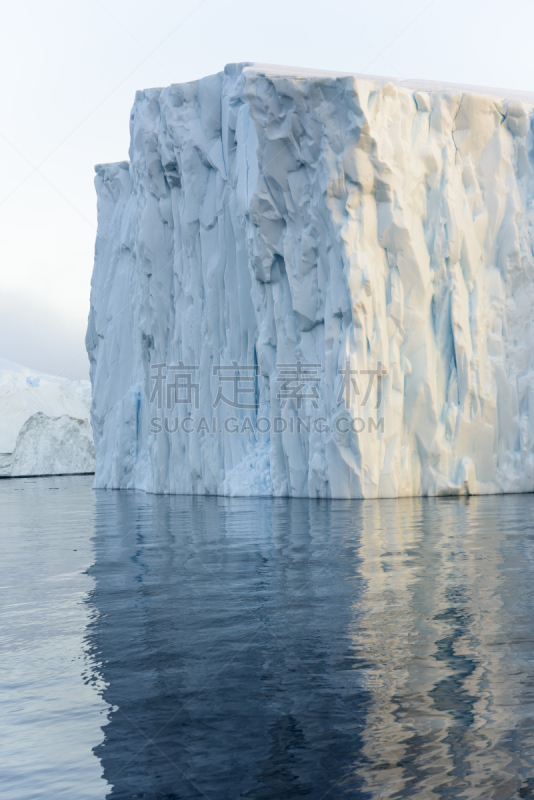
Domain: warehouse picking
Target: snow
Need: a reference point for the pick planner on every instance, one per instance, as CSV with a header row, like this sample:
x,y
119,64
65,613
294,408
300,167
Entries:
x,y
44,426
378,233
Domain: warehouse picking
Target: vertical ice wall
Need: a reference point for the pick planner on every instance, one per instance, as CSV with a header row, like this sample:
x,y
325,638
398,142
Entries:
x,y
376,237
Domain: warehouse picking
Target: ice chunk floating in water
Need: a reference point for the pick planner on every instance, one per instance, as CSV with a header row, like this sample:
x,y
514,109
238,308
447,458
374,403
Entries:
x,y
313,284
44,423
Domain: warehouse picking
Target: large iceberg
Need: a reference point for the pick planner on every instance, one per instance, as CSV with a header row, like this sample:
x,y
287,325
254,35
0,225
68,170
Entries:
x,y
320,285
44,423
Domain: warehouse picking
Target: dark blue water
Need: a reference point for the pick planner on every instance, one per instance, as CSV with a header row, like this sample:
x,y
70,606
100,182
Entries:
x,y
178,647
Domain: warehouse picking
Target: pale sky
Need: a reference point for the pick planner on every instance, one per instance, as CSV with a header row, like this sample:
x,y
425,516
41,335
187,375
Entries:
x,y
71,69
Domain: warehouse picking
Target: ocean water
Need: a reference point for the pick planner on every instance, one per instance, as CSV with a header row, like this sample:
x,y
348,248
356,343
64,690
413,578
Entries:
x,y
200,647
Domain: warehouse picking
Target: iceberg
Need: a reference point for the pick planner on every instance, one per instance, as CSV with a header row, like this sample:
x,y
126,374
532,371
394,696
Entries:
x,y
45,428
313,284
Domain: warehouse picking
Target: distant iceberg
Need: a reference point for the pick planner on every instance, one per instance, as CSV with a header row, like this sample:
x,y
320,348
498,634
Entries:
x,y
355,254
44,423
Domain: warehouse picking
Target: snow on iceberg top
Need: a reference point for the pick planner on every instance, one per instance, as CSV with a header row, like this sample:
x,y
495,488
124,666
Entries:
x,y
412,84
415,84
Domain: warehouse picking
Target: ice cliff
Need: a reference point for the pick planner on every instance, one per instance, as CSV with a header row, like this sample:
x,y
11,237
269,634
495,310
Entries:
x,y
347,261
44,423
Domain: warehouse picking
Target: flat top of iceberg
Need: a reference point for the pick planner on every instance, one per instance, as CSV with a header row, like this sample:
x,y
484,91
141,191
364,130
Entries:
x,y
408,83
10,372
414,84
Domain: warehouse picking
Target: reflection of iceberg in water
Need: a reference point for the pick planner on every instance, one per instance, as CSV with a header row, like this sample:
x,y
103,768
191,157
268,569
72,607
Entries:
x,y
262,648
447,629
221,633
